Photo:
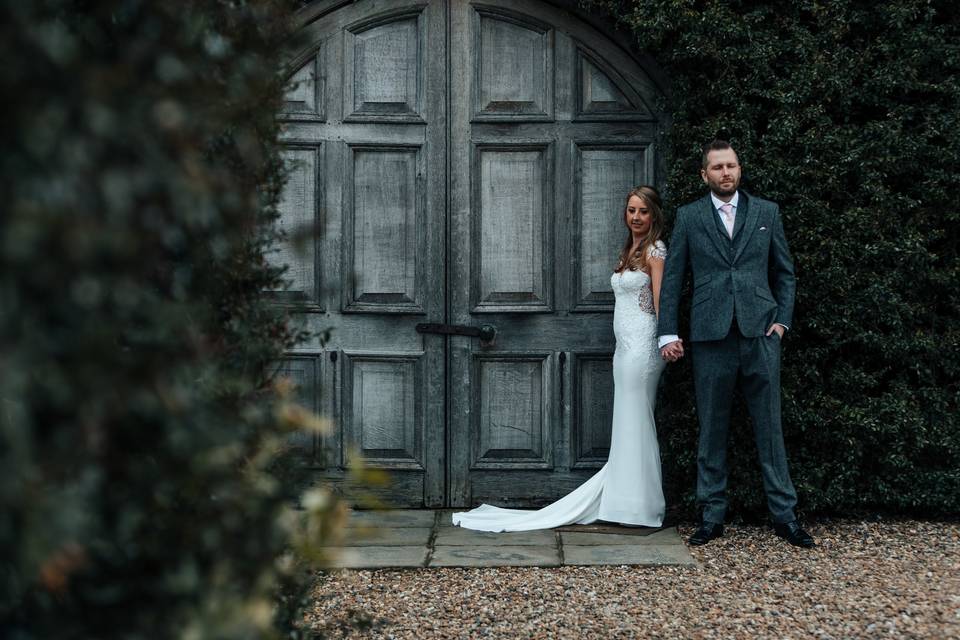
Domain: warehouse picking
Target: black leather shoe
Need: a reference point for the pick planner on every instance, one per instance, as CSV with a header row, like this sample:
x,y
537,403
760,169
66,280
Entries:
x,y
706,532
794,534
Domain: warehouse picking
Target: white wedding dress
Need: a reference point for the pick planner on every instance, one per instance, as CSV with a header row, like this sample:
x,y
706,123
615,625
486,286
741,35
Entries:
x,y
628,488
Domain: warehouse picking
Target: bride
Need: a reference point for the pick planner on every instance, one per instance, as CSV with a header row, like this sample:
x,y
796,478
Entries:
x,y
628,488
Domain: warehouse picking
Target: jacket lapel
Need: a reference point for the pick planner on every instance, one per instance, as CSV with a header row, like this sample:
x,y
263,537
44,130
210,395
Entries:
x,y
744,225
707,215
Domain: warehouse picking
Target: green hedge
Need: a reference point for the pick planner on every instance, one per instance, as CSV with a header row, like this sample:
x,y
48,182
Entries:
x,y
139,421
847,114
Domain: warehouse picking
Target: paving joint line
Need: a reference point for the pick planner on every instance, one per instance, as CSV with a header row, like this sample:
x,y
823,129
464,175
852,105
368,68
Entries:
x,y
431,541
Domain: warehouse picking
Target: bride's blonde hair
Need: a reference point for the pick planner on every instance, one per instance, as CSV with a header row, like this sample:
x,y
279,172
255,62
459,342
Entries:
x,y
638,260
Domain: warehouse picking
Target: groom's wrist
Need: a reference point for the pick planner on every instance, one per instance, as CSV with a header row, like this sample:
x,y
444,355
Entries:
x,y
664,340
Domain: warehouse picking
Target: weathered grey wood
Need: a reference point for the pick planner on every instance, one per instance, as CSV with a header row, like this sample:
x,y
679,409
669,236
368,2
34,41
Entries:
x,y
384,408
513,66
593,384
480,184
517,133
302,371
299,214
381,236
514,412
605,172
511,268
522,487
383,68
604,95
403,488
305,98
608,115
385,229
329,404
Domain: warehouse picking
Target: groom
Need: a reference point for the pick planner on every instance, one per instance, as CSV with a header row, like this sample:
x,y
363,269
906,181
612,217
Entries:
x,y
743,289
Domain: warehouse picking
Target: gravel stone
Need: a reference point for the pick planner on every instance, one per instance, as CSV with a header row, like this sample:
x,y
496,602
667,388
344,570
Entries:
x,y
866,579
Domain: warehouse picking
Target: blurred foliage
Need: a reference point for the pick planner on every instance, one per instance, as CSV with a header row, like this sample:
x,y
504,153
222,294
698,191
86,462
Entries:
x,y
846,113
140,425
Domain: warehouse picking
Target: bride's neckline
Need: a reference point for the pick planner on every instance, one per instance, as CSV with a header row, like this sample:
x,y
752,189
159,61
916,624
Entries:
x,y
620,273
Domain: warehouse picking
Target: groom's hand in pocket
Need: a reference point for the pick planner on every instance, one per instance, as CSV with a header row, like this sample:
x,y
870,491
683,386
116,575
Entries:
x,y
776,326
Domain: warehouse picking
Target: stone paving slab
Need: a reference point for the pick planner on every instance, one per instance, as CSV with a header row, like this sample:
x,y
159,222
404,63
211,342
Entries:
x,y
387,536
379,557
456,536
392,518
419,537
609,527
495,556
661,537
622,554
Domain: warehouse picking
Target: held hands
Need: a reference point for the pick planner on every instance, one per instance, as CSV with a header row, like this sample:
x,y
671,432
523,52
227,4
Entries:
x,y
673,351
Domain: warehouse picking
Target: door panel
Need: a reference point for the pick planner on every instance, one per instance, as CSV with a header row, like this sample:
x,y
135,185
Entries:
x,y
514,413
593,394
514,70
385,410
305,99
600,97
512,223
384,229
384,65
604,173
299,210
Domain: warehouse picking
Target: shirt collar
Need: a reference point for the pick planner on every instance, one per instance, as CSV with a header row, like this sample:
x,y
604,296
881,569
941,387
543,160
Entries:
x,y
717,202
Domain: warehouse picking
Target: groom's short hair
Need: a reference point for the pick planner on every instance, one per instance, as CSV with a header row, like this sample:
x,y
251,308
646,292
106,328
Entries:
x,y
716,145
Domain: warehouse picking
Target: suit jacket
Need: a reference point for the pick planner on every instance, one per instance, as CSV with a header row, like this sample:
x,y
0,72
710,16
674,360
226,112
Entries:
x,y
750,276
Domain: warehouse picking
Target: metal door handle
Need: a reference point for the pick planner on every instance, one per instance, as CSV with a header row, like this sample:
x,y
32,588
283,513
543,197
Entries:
x,y
486,333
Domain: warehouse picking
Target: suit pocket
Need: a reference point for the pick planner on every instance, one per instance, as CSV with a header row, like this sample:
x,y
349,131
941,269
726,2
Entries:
x,y
702,280
763,292
701,295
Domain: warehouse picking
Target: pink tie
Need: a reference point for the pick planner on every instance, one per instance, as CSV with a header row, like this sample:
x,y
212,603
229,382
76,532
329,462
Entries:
x,y
728,217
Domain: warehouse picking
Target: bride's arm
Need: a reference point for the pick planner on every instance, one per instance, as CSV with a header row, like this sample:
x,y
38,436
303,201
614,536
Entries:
x,y
656,279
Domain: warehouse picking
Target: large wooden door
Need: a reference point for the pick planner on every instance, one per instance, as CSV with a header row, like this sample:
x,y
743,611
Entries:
x,y
466,163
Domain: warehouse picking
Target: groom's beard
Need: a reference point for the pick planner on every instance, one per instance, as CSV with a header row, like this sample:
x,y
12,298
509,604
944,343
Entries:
x,y
724,190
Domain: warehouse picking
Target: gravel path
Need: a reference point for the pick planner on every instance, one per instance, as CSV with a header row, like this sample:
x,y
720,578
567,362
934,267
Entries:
x,y
865,579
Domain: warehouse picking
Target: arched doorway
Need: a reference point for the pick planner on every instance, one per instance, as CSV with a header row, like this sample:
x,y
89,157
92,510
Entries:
x,y
466,162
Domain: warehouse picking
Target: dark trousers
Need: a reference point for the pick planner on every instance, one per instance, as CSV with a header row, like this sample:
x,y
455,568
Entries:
x,y
717,367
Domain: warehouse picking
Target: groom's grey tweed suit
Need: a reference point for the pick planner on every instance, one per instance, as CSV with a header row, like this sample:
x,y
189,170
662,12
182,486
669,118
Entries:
x,y
740,288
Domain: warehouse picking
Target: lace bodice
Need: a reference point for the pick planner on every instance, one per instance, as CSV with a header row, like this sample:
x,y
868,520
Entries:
x,y
634,316
641,282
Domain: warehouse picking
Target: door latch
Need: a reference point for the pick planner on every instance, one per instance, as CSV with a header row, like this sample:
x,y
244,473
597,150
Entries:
x,y
487,333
